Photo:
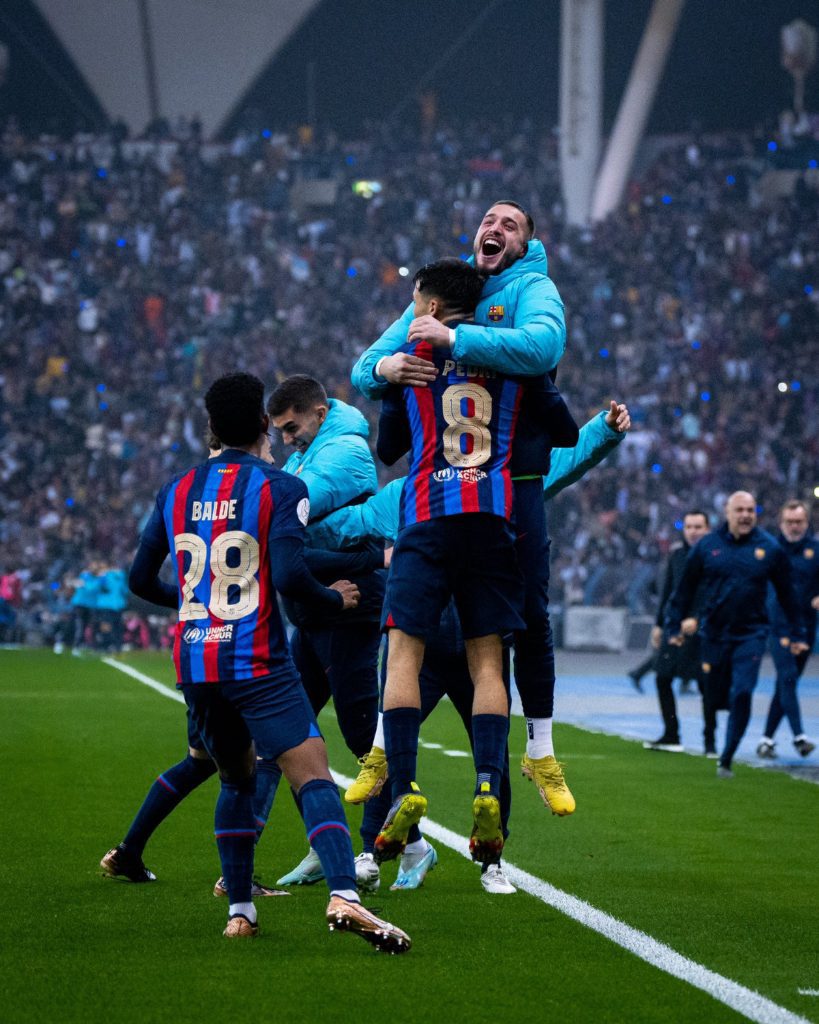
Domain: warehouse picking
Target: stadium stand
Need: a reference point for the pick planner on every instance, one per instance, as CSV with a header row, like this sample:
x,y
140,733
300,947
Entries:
x,y
133,272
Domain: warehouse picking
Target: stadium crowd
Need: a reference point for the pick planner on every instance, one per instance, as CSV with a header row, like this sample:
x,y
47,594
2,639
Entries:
x,y
134,272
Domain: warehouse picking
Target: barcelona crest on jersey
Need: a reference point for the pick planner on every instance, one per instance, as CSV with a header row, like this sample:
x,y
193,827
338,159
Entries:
x,y
496,313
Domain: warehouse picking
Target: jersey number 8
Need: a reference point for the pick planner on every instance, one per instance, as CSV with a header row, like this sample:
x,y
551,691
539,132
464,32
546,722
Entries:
x,y
459,425
241,576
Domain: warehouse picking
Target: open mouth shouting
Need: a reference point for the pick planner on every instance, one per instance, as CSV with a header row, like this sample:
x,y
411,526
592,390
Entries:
x,y
490,254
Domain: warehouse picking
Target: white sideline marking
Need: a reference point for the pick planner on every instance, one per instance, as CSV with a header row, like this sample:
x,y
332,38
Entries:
x,y
154,684
743,1000
808,991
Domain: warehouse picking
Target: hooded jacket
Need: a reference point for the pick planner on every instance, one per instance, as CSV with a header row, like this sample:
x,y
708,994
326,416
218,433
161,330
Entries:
x,y
338,467
522,301
339,470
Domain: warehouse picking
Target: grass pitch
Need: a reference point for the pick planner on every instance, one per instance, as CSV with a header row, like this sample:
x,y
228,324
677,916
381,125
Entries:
x,y
725,873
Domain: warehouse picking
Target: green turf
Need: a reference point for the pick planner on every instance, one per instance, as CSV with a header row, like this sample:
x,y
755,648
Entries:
x,y
725,873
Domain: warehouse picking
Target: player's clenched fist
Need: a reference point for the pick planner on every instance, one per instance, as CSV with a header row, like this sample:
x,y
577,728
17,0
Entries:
x,y
349,592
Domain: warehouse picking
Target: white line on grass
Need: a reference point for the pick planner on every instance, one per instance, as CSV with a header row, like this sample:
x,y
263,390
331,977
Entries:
x,y
154,684
808,991
743,1000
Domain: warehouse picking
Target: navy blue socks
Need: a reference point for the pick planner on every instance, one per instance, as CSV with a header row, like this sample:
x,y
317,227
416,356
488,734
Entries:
x,y
169,790
327,832
489,735
236,838
402,727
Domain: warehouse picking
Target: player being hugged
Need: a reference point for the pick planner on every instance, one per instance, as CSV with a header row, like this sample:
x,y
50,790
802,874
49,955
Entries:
x,y
454,540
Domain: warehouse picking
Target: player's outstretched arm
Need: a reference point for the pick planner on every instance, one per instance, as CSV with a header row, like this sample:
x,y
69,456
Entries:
x,y
598,438
375,519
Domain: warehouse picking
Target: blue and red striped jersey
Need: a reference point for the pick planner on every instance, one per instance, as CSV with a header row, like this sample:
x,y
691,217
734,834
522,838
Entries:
x,y
218,521
459,432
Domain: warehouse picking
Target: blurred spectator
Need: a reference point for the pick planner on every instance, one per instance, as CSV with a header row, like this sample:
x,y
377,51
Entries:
x,y
132,272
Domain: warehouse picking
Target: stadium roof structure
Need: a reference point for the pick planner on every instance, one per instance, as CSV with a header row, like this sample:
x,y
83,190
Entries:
x,y
149,58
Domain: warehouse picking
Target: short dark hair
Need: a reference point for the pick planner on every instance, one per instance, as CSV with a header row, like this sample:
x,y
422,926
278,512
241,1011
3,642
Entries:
x,y
299,393
695,512
235,405
457,284
530,223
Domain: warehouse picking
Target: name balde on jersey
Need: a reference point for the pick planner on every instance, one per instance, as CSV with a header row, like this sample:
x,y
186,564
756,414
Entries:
x,y
220,518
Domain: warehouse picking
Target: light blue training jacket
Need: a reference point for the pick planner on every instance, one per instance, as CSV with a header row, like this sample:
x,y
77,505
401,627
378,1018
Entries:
x,y
338,467
86,594
377,518
519,326
113,592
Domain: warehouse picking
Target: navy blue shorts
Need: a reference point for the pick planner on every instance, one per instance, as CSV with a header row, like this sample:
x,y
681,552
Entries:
x,y
274,713
469,557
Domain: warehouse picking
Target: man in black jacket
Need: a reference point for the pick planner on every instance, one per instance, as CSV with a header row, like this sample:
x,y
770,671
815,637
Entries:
x,y
682,661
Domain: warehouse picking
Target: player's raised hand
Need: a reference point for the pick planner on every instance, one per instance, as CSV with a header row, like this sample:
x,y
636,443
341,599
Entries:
x,y
427,328
406,369
618,418
349,592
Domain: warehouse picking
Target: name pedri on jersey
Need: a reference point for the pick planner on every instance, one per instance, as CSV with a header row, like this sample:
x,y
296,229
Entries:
x,y
462,426
218,520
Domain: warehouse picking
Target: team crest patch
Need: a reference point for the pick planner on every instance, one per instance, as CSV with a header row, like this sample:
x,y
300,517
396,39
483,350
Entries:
x,y
809,552
759,553
496,313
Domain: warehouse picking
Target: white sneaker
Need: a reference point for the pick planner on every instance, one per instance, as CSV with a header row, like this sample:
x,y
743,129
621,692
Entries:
x,y
58,647
495,881
367,875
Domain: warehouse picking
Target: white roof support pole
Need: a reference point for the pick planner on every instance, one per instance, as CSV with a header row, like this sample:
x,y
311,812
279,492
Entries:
x,y
636,105
581,103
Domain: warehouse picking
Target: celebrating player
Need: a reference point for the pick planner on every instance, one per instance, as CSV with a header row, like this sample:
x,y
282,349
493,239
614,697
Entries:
x,y
235,527
454,541
519,328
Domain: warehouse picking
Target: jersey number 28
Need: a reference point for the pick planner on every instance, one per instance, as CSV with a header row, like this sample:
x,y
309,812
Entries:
x,y
241,577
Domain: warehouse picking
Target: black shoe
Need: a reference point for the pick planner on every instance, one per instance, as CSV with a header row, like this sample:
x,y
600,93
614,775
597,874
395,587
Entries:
x,y
119,863
635,681
669,743
804,747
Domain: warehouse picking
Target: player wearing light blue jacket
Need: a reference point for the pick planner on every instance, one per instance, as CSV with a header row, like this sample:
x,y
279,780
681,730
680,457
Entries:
x,y
519,326
520,329
338,466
